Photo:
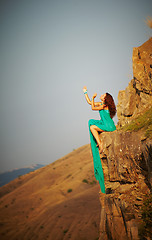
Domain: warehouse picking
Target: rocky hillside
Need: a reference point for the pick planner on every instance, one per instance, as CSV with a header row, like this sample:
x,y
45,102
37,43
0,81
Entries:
x,y
58,201
127,157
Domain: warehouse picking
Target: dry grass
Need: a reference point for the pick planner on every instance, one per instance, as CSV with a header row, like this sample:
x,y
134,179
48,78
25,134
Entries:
x,y
53,202
144,122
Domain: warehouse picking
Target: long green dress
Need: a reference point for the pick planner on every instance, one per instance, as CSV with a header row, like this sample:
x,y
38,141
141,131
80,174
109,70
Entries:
x,y
105,124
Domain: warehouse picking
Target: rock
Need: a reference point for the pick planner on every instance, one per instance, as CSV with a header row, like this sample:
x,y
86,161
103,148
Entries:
x,y
113,223
126,180
124,146
127,173
125,188
137,97
127,156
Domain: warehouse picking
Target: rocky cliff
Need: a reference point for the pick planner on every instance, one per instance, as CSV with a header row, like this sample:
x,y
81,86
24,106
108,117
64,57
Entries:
x,y
137,97
127,155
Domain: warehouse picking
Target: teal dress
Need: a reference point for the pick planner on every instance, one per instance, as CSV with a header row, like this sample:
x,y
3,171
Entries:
x,y
106,124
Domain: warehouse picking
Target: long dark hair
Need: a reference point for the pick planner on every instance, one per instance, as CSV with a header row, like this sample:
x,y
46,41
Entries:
x,y
111,104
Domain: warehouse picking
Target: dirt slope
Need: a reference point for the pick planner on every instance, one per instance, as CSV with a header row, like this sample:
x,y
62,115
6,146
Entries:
x,y
59,201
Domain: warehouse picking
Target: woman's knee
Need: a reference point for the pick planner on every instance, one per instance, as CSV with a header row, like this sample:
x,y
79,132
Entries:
x,y
91,122
92,128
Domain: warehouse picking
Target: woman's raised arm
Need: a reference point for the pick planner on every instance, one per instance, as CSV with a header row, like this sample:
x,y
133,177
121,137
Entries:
x,y
87,97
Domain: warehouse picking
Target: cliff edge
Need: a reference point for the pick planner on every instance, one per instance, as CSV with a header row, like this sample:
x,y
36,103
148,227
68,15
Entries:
x,y
127,156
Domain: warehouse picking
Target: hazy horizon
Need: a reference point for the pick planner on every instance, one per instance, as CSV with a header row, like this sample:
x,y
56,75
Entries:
x,y
49,51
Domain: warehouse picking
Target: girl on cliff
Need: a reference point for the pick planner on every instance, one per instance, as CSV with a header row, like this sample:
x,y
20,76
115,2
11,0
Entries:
x,y
107,111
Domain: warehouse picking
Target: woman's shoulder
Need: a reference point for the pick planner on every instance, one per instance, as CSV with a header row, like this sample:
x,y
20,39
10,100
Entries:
x,y
105,107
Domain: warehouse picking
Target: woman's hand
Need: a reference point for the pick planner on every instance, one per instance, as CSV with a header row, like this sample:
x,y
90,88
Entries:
x,y
84,89
94,95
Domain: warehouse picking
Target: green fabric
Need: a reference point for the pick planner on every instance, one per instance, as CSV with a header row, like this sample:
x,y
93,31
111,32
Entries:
x,y
105,124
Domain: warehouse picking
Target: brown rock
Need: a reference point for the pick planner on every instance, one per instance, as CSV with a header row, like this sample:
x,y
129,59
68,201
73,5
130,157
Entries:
x,y
138,95
113,223
123,146
127,156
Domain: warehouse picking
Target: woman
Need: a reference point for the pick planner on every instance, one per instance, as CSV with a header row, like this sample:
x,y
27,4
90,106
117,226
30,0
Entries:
x,y
107,110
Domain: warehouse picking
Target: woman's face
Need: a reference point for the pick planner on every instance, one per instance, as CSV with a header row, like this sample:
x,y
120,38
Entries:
x,y
102,97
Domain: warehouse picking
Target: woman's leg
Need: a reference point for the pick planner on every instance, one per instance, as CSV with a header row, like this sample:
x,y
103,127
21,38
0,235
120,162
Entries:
x,y
95,131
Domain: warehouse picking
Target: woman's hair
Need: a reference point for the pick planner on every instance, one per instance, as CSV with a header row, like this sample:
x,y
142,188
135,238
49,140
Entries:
x,y
111,105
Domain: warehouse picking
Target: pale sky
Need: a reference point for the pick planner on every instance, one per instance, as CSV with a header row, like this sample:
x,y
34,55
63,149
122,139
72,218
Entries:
x,y
48,51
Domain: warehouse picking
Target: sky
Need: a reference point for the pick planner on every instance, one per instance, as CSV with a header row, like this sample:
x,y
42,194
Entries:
x,y
49,51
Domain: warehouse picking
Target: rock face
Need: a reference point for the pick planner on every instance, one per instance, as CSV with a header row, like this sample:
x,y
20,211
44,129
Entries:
x,y
138,95
126,163
127,156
